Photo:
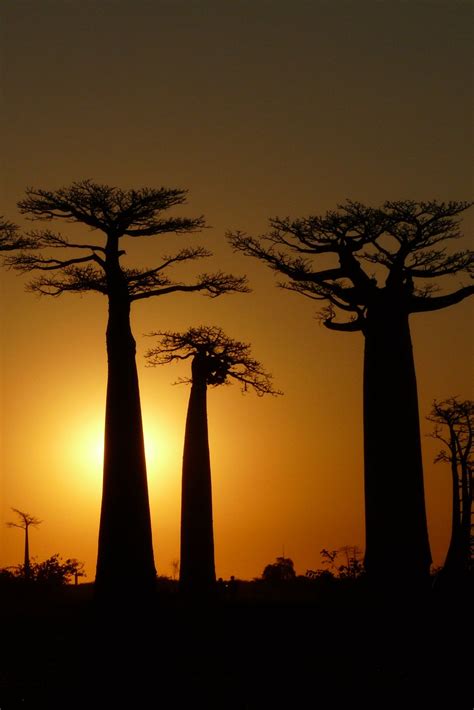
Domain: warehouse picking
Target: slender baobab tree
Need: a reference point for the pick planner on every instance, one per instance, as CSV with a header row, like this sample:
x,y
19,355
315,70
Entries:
x,y
216,359
117,216
376,267
26,521
453,421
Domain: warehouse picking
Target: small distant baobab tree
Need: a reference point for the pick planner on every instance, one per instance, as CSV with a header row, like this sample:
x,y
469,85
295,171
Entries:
x,y
327,258
216,360
117,215
25,522
453,421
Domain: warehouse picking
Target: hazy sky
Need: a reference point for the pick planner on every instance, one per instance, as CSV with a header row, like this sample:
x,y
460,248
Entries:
x,y
259,108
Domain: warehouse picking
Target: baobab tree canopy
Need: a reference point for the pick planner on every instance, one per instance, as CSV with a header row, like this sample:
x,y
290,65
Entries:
x,y
117,213
393,250
226,359
26,521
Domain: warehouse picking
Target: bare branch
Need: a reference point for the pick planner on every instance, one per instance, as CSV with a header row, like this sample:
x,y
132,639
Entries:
x,y
211,285
25,520
45,239
110,209
73,279
151,277
327,318
419,304
163,226
401,237
10,238
303,279
28,262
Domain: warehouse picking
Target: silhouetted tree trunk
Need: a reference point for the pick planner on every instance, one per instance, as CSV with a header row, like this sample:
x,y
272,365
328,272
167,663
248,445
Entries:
x,y
197,567
216,360
458,555
26,564
125,555
458,417
25,521
394,494
454,557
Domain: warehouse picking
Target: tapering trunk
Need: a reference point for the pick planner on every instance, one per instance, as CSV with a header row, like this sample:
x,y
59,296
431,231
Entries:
x,y
396,529
458,555
466,516
26,564
454,560
125,562
197,567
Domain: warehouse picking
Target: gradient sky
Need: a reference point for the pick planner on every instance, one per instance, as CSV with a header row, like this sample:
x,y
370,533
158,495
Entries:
x,y
259,108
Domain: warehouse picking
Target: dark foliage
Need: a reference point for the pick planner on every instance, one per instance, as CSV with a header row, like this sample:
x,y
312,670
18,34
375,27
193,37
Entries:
x,y
282,570
52,572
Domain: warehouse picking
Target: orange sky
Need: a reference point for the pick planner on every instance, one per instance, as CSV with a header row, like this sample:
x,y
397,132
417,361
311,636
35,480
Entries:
x,y
259,109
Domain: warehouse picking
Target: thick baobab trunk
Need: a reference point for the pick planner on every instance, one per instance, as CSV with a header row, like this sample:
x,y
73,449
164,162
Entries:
x,y
396,529
125,558
197,568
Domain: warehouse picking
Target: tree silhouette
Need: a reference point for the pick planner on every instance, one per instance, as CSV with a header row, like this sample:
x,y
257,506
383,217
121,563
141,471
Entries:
x,y
282,570
403,242
54,572
454,427
125,528
26,521
10,238
216,360
352,569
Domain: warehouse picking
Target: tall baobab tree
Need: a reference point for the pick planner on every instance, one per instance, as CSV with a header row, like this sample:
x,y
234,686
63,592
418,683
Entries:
x,y
117,215
26,521
216,360
454,427
376,267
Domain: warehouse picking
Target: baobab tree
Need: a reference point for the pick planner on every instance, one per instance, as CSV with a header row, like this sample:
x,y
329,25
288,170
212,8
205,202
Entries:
x,y
216,360
26,521
117,215
454,427
376,267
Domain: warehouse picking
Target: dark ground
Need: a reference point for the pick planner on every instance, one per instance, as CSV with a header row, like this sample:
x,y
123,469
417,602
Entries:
x,y
255,646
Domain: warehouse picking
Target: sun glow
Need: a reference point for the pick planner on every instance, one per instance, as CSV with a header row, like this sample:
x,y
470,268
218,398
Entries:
x,y
87,449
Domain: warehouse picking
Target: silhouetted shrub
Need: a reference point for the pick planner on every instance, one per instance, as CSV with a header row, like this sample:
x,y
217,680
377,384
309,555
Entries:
x,y
282,570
